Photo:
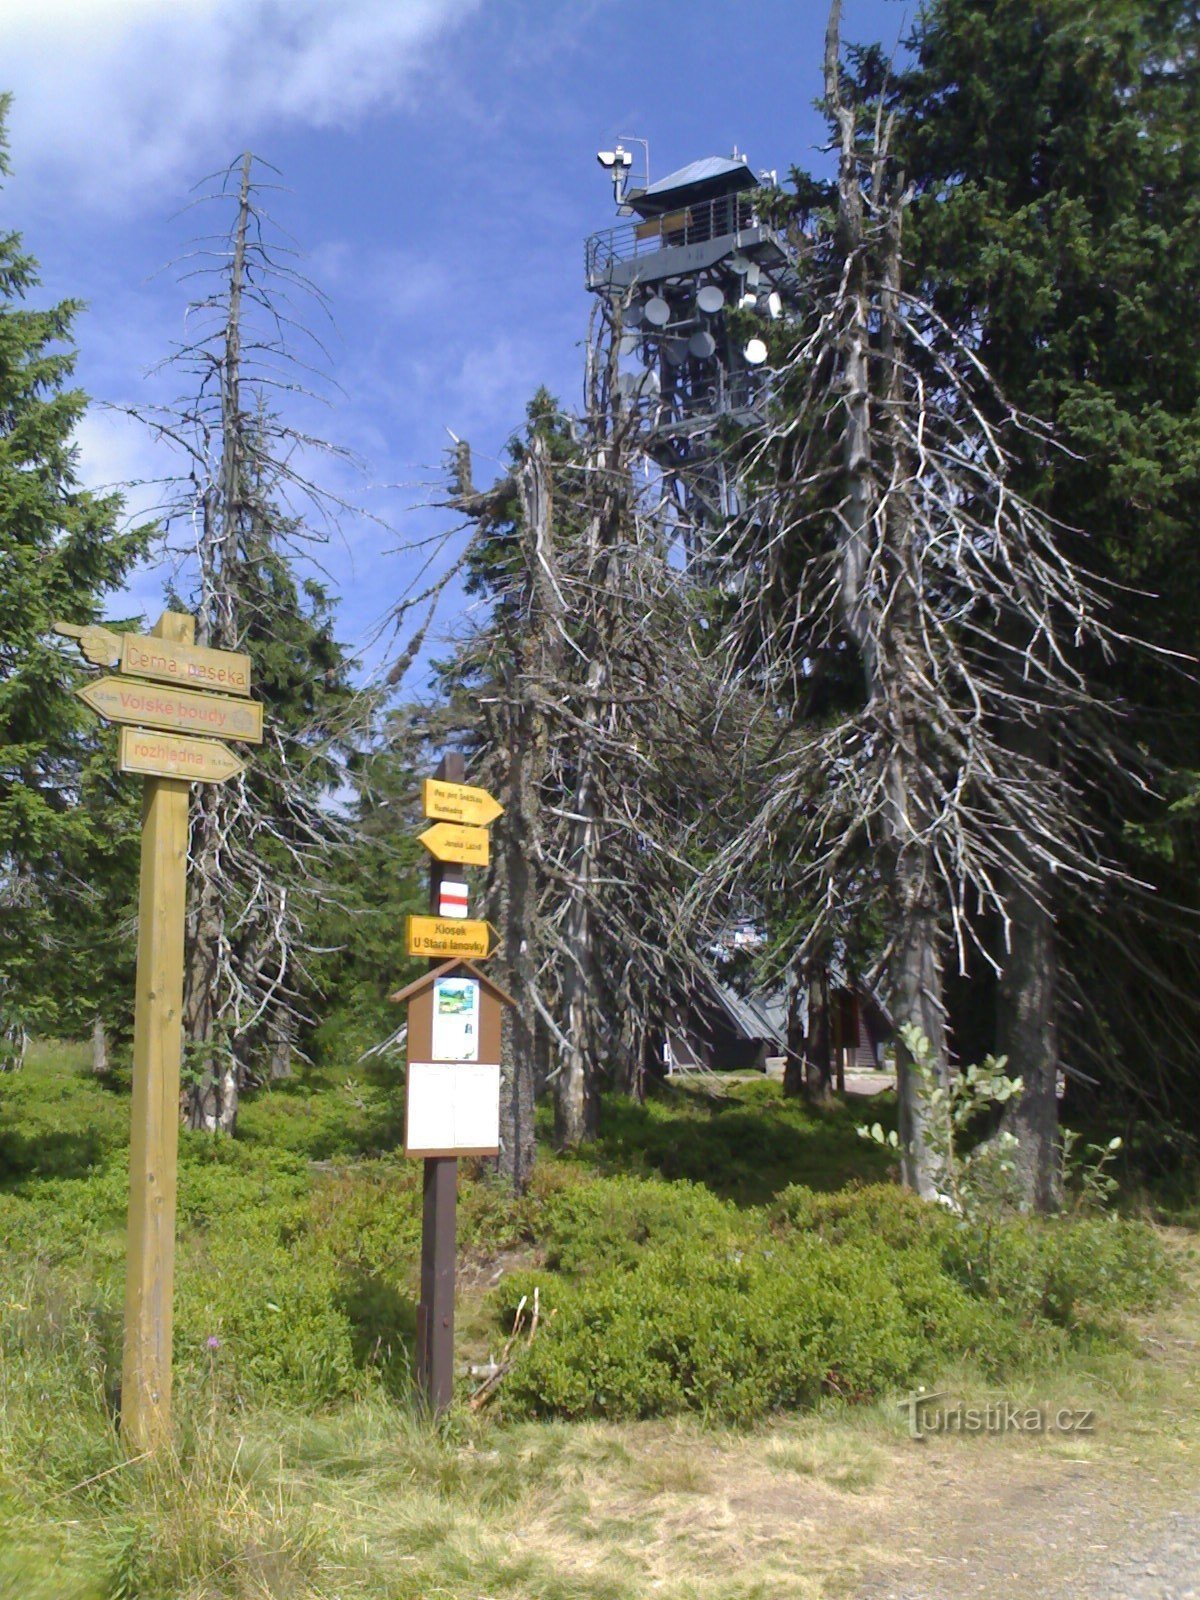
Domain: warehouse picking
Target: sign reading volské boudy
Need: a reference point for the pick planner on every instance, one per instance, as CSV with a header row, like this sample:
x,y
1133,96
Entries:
x,y
148,706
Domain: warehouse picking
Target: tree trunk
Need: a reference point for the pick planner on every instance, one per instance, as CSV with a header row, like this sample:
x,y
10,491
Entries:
x,y
917,999
518,1047
793,1071
1027,1033
818,1076
280,1055
210,1093
99,1048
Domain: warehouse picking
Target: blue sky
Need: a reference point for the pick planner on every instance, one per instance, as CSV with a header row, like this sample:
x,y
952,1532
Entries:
x,y
440,172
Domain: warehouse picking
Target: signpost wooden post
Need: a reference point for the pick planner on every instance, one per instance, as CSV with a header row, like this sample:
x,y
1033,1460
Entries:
x,y
450,1058
154,1136
170,763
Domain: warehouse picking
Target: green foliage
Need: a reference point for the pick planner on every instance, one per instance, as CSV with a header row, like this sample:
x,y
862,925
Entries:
x,y
591,1227
854,1294
66,821
745,1146
975,1179
296,1281
1055,149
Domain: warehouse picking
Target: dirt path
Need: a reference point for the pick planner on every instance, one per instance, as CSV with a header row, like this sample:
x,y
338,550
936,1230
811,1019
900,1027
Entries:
x,y
1113,1515
853,1508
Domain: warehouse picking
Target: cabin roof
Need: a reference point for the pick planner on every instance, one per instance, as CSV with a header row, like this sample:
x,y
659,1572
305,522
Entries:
x,y
699,180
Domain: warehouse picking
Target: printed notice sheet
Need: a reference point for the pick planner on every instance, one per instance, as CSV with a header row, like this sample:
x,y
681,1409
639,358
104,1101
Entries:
x,y
453,1105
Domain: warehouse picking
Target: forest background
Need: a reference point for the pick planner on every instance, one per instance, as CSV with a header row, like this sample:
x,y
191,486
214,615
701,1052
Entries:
x,y
926,711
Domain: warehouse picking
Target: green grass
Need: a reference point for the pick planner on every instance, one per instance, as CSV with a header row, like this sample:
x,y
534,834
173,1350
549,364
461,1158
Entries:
x,y
722,1226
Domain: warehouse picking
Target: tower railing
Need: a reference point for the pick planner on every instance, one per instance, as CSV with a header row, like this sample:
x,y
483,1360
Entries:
x,y
694,224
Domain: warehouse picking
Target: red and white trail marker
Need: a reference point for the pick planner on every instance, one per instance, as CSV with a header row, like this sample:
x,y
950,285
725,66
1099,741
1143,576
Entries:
x,y
452,898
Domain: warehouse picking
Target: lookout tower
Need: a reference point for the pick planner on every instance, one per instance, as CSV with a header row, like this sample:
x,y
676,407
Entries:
x,y
691,278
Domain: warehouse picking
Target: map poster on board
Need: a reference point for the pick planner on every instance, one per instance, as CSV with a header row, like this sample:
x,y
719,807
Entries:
x,y
455,1019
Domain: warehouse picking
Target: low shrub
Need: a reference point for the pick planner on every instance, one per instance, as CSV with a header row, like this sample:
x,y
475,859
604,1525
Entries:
x,y
734,1334
610,1222
670,1300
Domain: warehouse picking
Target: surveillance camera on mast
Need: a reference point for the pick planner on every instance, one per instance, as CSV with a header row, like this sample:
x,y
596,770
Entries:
x,y
618,162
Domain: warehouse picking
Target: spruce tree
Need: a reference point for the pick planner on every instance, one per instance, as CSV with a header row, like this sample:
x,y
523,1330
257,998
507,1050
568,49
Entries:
x,y
1055,145
66,822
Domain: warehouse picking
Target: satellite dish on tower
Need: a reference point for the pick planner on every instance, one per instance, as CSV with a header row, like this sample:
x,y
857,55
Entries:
x,y
657,312
702,345
755,352
710,299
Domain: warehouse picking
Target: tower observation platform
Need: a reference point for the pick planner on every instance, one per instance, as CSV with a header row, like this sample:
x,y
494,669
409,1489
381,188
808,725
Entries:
x,y
691,280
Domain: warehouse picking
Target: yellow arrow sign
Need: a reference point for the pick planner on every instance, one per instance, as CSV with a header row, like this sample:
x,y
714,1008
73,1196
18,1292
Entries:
x,y
447,841
459,802
170,755
448,936
193,666
122,700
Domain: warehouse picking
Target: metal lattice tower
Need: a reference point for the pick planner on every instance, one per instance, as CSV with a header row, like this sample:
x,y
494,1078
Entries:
x,y
685,279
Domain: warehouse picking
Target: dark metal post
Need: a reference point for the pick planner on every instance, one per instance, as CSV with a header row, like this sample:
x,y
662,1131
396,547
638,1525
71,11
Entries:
x,y
435,1313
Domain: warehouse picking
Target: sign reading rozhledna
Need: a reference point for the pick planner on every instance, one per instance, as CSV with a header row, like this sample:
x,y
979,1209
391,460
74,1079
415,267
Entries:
x,y
181,710
172,755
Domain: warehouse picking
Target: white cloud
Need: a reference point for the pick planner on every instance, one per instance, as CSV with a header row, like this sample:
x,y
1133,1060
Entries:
x,y
114,98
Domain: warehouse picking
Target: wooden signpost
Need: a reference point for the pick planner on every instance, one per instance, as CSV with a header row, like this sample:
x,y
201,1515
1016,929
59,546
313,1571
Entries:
x,y
452,1101
170,764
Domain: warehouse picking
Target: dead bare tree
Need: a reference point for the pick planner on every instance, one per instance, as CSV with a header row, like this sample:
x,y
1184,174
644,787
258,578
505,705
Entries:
x,y
592,691
887,527
246,506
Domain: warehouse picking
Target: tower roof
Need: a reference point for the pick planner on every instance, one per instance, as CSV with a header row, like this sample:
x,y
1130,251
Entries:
x,y
699,180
